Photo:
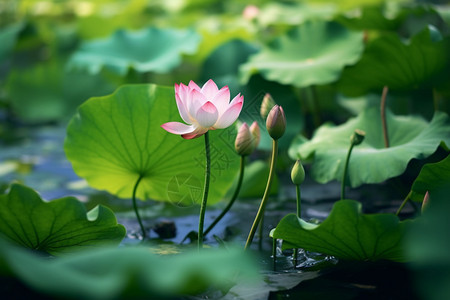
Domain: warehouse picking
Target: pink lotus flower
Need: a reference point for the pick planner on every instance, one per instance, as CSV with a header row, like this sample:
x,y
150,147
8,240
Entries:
x,y
203,109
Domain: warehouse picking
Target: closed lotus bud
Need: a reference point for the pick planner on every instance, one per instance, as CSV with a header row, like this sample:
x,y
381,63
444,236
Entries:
x,y
357,137
244,144
266,105
254,129
425,202
276,122
298,173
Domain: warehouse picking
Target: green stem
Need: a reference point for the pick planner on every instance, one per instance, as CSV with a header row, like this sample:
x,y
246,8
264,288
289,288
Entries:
x,y
344,176
403,203
299,215
201,220
315,105
299,205
383,116
136,211
233,199
262,206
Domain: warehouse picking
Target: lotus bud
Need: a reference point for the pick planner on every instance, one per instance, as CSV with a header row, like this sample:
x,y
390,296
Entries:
x,y
425,202
276,122
298,173
357,137
244,141
266,105
254,130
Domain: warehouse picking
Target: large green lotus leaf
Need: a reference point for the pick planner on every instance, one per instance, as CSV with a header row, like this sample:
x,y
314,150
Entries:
x,y
387,61
150,49
371,162
431,177
56,227
347,234
314,53
115,139
128,272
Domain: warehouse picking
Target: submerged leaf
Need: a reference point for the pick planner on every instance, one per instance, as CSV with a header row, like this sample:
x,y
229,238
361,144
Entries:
x,y
371,162
346,234
313,54
151,49
56,227
115,139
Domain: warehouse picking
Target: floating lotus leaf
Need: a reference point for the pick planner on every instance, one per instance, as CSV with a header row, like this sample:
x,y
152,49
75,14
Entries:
x,y
127,272
151,49
115,139
56,227
401,66
371,162
314,53
347,234
431,177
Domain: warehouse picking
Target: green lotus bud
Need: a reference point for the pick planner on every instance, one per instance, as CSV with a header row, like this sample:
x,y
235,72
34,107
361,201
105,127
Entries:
x,y
298,173
266,105
276,122
245,140
357,137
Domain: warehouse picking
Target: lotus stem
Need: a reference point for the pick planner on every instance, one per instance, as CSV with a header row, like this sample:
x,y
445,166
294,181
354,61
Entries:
x,y
403,203
383,116
262,206
233,198
136,211
356,139
344,176
299,215
201,220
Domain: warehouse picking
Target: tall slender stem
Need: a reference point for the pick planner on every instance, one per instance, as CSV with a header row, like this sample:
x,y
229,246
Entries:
x,y
299,205
344,176
299,215
403,203
136,211
383,116
233,198
262,206
201,220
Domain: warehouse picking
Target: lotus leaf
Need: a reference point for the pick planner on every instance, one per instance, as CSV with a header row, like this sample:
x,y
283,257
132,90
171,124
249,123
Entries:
x,y
56,227
147,50
113,273
431,177
371,162
387,61
313,54
347,234
115,139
